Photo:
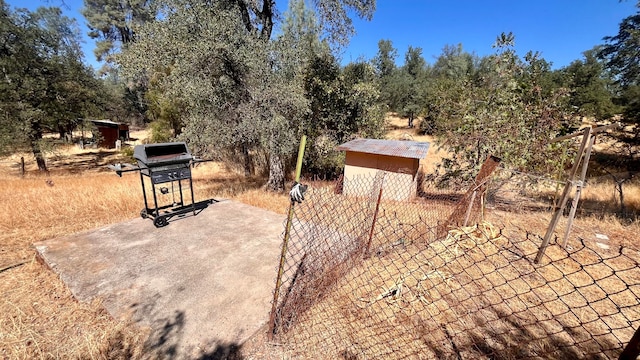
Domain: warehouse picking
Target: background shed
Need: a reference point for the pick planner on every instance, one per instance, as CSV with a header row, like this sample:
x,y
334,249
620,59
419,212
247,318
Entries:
x,y
110,132
401,159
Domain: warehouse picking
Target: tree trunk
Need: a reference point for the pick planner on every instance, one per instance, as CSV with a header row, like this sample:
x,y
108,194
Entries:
x,y
35,137
621,194
276,173
248,164
176,126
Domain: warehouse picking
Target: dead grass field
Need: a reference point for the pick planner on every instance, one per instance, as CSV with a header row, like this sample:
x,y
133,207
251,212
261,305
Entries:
x,y
397,130
475,294
39,317
466,297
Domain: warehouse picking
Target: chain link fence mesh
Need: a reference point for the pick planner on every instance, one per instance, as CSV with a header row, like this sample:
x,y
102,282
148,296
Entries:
x,y
369,276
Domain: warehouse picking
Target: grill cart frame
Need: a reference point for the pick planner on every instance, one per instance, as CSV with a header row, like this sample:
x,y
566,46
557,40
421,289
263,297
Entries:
x,y
164,163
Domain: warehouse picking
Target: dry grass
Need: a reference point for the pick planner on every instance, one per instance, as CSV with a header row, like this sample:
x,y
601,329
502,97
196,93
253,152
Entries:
x,y
603,197
397,130
39,314
474,294
39,317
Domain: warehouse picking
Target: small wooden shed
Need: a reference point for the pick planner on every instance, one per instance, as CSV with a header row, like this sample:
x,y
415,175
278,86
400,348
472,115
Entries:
x,y
400,159
110,132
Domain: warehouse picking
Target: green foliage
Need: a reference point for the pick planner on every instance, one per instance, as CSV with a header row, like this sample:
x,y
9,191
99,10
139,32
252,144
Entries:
x,y
385,60
499,110
621,51
224,77
385,65
127,151
620,54
112,23
454,63
335,20
164,110
344,104
402,90
397,89
630,98
591,87
239,91
45,86
160,131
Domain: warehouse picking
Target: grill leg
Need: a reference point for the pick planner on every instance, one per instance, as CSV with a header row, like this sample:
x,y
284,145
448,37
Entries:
x,y
180,187
155,199
193,203
144,193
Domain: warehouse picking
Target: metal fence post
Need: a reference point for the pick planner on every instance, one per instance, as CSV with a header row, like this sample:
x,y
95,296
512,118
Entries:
x,y
285,243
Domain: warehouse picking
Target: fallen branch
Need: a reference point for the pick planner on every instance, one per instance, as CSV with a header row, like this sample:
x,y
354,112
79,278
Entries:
x,y
9,267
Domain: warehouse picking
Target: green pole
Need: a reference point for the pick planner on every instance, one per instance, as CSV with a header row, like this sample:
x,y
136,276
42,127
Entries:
x,y
285,243
303,143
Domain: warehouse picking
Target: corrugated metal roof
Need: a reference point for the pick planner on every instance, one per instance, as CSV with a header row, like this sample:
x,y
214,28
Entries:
x,y
399,148
106,123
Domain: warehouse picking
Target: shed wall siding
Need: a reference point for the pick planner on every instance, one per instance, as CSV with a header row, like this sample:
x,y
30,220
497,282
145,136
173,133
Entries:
x,y
400,179
109,137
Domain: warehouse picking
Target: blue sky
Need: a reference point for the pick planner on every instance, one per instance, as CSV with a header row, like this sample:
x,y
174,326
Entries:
x,y
560,29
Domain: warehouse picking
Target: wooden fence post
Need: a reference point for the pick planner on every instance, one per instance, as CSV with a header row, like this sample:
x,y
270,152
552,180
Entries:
x,y
579,186
22,166
463,211
565,196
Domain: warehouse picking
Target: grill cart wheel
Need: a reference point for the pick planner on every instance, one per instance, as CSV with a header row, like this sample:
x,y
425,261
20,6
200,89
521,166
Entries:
x,y
160,221
143,214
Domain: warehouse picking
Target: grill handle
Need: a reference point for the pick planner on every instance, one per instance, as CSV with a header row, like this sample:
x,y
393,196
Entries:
x,y
195,161
123,168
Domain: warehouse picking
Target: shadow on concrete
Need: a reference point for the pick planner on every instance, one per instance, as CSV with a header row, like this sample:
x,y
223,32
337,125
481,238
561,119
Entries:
x,y
202,286
187,210
164,341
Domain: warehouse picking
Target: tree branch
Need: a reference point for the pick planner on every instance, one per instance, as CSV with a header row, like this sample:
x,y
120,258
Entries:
x,y
266,16
244,12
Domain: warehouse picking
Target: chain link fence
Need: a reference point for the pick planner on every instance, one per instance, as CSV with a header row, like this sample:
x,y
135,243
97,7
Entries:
x,y
432,276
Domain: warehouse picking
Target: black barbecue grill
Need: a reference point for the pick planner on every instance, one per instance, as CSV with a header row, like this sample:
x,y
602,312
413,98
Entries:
x,y
164,164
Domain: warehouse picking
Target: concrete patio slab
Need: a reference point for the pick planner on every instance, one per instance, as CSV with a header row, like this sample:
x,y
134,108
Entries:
x,y
202,284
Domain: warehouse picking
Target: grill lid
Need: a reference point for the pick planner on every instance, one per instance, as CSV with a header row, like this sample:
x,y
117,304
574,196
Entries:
x,y
153,155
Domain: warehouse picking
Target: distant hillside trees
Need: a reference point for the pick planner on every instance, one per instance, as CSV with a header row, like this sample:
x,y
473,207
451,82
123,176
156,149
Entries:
x,y
44,86
401,89
497,105
506,105
593,89
621,53
112,24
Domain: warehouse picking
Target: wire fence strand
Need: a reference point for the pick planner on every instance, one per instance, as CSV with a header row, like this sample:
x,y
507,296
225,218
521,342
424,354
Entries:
x,y
369,276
